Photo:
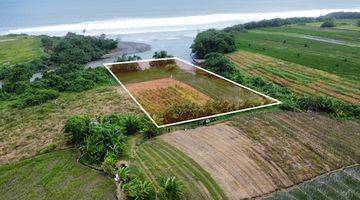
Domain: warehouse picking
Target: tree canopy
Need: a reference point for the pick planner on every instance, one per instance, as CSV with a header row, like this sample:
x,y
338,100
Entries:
x,y
328,24
213,41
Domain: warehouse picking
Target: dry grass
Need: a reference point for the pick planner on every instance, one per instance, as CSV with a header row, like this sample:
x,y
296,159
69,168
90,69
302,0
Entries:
x,y
298,78
157,95
256,154
23,132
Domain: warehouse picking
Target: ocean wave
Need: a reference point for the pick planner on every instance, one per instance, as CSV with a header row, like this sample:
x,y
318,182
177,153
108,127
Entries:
x,y
143,25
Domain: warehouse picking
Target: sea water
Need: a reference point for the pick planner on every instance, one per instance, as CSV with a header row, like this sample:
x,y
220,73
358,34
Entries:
x,y
166,25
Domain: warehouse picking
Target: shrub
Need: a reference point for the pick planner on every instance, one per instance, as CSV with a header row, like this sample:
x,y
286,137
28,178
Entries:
x,y
219,64
162,54
149,130
181,111
358,23
328,24
137,189
109,164
125,58
35,97
104,138
213,41
77,128
170,189
132,124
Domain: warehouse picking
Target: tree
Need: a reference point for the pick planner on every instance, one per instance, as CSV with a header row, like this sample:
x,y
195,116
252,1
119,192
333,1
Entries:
x,y
162,54
358,23
328,24
213,41
137,189
77,128
125,58
219,64
170,189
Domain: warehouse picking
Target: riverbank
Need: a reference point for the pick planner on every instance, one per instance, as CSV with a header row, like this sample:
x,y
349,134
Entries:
x,y
123,48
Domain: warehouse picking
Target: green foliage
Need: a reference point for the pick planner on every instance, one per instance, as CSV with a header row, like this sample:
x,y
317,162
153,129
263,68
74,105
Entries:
x,y
132,124
219,64
137,189
125,58
35,97
101,139
162,54
358,23
79,49
149,130
170,189
124,175
213,41
109,163
77,128
328,24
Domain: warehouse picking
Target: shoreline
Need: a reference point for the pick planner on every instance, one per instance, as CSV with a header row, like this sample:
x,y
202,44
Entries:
x,y
124,47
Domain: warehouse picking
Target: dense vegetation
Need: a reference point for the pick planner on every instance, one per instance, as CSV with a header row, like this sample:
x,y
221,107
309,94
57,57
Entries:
x,y
290,101
213,41
162,54
63,70
328,24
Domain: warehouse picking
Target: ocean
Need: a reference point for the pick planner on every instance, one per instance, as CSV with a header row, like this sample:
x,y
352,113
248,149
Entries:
x,y
166,25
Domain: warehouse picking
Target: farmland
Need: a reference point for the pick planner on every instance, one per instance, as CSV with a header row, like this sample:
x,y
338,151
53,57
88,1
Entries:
x,y
339,59
160,159
341,184
300,79
160,87
53,175
262,152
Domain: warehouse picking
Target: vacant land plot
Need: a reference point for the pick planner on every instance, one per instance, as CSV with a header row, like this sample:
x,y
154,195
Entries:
x,y
342,184
298,78
158,159
54,175
165,92
334,58
25,131
173,91
16,49
256,154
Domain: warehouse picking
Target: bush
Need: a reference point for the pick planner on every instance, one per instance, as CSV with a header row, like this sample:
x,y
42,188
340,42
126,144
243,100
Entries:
x,y
137,189
125,58
132,124
77,128
219,64
213,41
104,138
181,111
149,130
170,189
35,97
358,23
328,24
162,54
109,164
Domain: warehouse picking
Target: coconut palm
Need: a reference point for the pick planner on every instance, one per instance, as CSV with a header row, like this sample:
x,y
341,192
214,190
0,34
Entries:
x,y
170,189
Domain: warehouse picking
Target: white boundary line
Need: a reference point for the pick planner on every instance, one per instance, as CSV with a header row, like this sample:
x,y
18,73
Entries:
x,y
277,102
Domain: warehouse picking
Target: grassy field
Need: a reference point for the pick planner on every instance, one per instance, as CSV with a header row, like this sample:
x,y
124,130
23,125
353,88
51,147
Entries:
x,y
54,175
342,184
258,153
17,49
334,58
158,159
298,78
24,132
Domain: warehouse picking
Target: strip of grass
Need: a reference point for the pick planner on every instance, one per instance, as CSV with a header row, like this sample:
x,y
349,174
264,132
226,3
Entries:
x,y
341,184
333,58
17,49
162,159
54,175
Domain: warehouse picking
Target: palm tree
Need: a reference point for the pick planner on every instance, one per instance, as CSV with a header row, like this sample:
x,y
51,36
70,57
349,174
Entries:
x,y
139,190
124,175
171,189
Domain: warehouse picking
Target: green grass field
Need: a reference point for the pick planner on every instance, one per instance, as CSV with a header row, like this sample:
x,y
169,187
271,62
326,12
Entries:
x,y
55,175
343,184
334,58
158,159
17,49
